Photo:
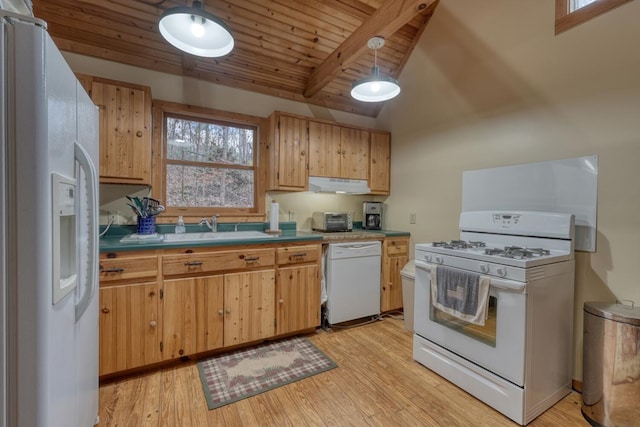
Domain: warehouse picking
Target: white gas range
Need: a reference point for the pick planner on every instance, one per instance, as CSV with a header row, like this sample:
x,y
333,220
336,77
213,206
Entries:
x,y
519,358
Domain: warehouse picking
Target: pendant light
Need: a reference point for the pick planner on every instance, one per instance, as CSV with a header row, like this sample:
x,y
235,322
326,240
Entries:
x,y
375,87
196,31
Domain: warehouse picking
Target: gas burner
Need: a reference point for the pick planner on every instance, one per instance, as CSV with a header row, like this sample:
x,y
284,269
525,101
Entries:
x,y
477,244
493,251
517,252
458,244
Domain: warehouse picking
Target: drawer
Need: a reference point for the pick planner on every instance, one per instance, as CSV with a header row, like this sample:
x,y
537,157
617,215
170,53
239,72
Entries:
x,y
216,261
128,268
298,254
397,246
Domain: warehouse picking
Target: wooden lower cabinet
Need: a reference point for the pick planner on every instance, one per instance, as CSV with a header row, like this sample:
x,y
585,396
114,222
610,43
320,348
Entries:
x,y
192,316
129,327
201,300
249,300
395,255
298,298
205,313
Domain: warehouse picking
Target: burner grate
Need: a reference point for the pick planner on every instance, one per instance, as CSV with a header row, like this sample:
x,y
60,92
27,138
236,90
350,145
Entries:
x,y
458,244
517,252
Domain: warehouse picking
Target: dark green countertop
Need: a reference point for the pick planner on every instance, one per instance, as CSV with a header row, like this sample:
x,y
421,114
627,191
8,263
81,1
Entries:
x,y
111,241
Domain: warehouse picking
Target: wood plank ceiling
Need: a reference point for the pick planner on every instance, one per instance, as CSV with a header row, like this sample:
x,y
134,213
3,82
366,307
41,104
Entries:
x,y
304,50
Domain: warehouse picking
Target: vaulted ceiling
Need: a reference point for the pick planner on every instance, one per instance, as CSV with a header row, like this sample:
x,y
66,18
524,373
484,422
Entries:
x,y
304,50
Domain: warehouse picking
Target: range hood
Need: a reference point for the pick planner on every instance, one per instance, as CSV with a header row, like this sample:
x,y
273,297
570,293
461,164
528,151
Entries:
x,y
320,184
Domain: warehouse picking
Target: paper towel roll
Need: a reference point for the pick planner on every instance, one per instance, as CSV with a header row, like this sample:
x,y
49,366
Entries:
x,y
273,217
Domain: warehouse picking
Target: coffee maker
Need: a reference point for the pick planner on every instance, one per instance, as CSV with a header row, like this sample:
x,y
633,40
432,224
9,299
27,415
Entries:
x,y
372,215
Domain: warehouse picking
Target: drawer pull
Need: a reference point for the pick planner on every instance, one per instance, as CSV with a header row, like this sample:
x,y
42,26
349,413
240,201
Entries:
x,y
193,263
113,270
252,259
298,256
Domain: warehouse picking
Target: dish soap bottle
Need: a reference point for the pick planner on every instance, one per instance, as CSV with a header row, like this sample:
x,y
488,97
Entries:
x,y
180,228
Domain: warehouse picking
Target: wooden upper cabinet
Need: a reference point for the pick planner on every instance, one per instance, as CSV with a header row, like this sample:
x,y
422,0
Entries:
x,y
338,151
354,144
380,163
286,153
125,129
298,147
324,149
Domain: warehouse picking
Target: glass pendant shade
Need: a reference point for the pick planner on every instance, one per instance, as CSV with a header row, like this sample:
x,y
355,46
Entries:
x,y
375,87
196,31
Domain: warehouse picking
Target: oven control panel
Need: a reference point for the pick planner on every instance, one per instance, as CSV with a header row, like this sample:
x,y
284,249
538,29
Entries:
x,y
521,223
505,220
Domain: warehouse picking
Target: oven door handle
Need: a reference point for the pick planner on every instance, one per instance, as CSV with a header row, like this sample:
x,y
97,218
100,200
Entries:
x,y
496,283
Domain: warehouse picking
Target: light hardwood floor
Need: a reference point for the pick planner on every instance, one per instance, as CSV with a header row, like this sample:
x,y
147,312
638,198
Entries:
x,y
377,383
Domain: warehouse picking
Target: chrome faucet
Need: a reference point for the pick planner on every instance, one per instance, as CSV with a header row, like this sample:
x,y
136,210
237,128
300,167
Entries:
x,y
213,225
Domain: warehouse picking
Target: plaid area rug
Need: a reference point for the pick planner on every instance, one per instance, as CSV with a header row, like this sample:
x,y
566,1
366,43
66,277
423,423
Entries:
x,y
231,377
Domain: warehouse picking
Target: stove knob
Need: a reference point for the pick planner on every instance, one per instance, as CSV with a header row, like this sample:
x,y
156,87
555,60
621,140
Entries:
x,y
427,258
502,271
439,260
484,268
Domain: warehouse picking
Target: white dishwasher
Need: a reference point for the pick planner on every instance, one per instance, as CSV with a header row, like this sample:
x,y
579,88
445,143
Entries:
x,y
353,280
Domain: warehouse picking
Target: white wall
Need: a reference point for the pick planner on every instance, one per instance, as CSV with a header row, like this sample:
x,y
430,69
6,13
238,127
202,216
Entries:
x,y
488,85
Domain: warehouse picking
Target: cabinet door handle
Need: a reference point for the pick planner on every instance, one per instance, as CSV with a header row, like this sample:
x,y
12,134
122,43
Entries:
x,y
252,259
105,310
221,312
280,301
153,324
139,134
228,311
113,270
193,263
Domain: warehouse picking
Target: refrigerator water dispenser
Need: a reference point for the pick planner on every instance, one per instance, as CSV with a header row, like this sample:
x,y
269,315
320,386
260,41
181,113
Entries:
x,y
64,236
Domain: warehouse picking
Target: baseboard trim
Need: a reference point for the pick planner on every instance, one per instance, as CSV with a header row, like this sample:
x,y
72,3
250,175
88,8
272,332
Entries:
x,y
576,385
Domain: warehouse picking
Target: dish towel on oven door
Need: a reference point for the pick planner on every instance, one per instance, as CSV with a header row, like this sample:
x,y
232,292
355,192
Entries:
x,y
461,294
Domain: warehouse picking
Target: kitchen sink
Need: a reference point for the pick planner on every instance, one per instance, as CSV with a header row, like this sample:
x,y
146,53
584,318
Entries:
x,y
213,237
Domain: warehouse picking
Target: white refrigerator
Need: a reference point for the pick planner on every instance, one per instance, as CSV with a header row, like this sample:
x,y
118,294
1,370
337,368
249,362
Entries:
x,y
49,240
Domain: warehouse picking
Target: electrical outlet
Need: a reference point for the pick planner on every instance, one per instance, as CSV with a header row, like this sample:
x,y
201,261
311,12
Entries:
x,y
292,216
412,217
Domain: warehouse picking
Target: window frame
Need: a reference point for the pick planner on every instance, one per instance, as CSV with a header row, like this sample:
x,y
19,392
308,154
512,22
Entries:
x,y
162,109
566,19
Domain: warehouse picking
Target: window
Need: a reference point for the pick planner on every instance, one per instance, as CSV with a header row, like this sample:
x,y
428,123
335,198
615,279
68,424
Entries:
x,y
570,13
208,161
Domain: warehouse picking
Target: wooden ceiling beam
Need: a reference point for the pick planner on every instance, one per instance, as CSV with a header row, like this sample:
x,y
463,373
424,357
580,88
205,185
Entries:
x,y
392,15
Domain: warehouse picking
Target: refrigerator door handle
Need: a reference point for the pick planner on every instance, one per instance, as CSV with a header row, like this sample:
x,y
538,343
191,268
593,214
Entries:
x,y
87,165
